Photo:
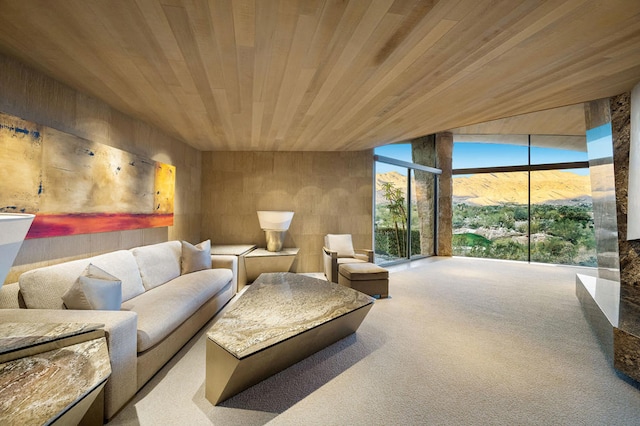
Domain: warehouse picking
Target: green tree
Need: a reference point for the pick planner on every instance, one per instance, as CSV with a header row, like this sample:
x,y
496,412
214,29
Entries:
x,y
397,210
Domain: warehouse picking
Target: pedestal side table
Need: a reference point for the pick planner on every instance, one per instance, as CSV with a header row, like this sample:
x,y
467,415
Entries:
x,y
262,260
239,250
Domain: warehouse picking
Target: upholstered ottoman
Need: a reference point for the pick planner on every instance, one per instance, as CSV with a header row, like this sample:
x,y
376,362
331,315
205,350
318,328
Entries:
x,y
365,277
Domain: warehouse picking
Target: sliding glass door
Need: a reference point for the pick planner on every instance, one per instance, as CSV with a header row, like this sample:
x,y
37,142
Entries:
x,y
422,214
391,220
405,210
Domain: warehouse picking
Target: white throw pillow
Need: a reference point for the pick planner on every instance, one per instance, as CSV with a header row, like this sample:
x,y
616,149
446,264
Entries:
x,y
94,289
342,244
196,258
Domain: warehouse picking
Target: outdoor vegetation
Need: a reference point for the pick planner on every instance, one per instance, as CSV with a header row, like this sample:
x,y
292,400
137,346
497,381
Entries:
x,y
391,225
562,234
559,234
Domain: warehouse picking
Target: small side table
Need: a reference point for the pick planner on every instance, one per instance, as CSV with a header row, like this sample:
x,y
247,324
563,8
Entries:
x,y
52,373
240,250
261,260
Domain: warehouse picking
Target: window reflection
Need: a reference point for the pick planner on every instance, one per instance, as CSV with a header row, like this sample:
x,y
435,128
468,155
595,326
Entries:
x,y
548,149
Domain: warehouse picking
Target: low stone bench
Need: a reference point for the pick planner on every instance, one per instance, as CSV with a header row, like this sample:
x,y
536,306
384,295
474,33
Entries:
x,y
366,277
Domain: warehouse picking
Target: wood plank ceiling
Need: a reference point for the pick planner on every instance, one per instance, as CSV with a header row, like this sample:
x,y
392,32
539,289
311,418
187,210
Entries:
x,y
327,74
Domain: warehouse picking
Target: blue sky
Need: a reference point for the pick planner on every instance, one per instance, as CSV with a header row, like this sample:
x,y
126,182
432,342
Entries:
x,y
599,142
469,155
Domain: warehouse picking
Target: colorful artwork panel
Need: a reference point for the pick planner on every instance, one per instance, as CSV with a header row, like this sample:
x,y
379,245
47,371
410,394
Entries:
x,y
20,165
77,186
164,190
54,225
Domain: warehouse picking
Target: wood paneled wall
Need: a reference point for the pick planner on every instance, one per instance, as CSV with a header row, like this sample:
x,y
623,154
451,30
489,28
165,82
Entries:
x,y
330,192
29,94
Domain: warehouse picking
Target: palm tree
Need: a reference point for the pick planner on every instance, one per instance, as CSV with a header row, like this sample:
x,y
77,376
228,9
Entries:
x,y
397,211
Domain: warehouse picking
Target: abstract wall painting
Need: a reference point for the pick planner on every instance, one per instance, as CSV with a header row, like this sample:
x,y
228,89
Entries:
x,y
77,186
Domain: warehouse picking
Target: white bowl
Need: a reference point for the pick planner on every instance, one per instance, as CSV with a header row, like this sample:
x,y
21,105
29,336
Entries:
x,y
271,220
13,229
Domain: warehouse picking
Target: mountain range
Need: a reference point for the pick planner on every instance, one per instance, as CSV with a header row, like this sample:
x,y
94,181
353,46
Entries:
x,y
485,189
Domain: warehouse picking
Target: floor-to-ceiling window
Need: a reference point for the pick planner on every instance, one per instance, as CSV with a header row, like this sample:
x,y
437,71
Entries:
x,y
527,197
405,206
489,198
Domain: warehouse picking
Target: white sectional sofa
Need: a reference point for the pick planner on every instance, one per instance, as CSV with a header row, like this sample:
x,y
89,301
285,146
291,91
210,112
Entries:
x,y
162,307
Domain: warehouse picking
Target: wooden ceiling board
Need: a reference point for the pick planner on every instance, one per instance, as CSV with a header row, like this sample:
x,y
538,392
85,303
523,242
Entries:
x,y
375,82
520,99
454,48
327,74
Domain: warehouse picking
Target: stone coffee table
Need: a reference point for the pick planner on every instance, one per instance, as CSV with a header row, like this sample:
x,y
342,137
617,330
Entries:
x,y
280,319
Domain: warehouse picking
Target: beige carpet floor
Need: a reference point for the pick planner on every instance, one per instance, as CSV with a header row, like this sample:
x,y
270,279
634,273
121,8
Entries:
x,y
460,342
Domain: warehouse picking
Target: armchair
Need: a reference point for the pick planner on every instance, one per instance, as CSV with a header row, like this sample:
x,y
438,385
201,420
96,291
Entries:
x,y
338,249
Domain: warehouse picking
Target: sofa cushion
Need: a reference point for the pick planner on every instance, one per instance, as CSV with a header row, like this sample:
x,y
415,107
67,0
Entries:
x,y
44,287
162,309
158,263
94,289
122,264
345,260
196,258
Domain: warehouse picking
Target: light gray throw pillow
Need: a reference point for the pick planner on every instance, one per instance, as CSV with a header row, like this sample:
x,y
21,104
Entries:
x,y
94,289
196,258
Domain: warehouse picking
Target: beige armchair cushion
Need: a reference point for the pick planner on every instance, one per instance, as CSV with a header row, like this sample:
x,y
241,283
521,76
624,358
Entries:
x,y
340,243
363,271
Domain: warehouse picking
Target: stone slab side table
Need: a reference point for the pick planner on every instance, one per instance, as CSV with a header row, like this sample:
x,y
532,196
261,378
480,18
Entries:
x,y
52,374
239,250
261,260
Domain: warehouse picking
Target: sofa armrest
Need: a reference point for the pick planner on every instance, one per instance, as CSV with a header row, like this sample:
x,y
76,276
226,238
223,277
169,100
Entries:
x,y
330,261
121,334
10,297
227,262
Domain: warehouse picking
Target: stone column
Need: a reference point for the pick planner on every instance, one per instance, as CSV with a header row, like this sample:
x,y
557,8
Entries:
x,y
444,157
434,151
423,152
611,227
626,343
